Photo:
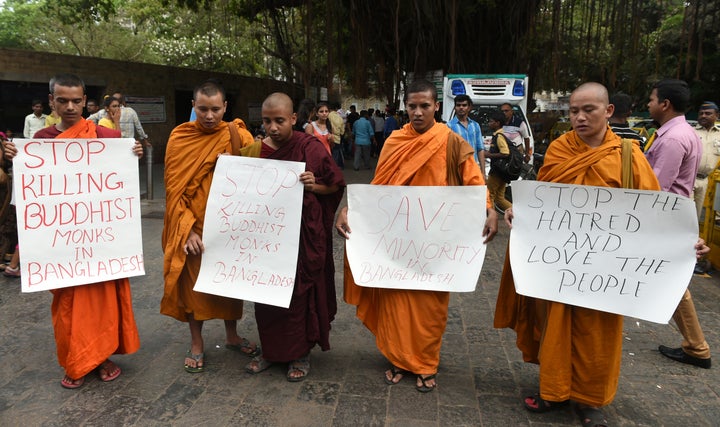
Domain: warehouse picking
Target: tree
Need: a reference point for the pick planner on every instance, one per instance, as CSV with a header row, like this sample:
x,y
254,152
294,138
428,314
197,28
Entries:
x,y
624,44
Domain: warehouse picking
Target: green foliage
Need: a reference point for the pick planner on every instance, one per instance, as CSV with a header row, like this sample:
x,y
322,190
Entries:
x,y
79,11
624,44
18,19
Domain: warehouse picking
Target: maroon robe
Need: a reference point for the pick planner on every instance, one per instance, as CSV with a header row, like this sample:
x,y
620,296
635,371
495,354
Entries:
x,y
289,334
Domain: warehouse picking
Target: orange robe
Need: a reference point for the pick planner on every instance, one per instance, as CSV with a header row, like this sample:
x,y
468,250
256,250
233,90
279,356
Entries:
x,y
93,321
579,349
190,159
408,324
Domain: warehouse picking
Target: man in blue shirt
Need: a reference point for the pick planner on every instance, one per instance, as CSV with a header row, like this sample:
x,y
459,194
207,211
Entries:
x,y
391,123
364,137
468,129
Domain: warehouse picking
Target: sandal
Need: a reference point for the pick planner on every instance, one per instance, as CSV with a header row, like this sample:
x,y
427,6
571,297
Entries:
x,y
70,383
425,387
591,417
537,404
257,365
199,362
108,371
302,366
394,372
246,347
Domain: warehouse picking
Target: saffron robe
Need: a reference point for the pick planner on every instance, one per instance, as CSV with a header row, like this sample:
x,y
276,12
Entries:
x,y
578,349
288,334
93,321
409,324
190,158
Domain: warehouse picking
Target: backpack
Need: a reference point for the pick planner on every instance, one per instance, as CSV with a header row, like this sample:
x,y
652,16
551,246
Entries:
x,y
509,167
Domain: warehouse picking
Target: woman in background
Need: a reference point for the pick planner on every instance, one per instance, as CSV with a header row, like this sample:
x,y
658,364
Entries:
x,y
306,110
112,118
321,128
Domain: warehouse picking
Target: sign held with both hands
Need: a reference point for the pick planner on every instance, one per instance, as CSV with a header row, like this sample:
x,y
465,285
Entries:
x,y
622,251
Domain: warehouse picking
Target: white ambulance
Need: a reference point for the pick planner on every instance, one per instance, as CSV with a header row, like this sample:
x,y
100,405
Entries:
x,y
488,92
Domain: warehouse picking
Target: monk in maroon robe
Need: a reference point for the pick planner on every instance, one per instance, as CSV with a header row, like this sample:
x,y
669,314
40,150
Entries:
x,y
288,335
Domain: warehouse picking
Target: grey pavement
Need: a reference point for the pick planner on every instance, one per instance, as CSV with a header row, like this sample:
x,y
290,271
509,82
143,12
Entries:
x,y
481,378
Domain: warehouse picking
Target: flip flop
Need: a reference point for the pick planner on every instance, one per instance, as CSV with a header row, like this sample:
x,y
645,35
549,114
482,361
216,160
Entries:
x,y
302,366
537,404
591,417
260,364
107,367
197,358
394,371
425,387
70,383
245,347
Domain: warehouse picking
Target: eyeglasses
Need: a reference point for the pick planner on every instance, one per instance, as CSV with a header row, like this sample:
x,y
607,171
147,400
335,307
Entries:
x,y
506,111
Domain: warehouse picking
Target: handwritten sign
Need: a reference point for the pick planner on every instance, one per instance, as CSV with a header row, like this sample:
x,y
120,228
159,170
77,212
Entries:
x,y
622,251
78,211
427,238
251,231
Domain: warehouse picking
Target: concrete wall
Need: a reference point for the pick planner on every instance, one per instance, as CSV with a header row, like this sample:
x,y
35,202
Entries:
x,y
24,75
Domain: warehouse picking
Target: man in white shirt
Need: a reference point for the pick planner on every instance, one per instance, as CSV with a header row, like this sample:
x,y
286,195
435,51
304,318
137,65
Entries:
x,y
130,126
35,121
516,131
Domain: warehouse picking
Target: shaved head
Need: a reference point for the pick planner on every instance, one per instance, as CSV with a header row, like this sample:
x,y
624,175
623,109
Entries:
x,y
278,100
595,89
590,110
278,118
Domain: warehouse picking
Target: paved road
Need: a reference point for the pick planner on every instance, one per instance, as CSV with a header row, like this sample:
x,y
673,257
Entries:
x,y
481,378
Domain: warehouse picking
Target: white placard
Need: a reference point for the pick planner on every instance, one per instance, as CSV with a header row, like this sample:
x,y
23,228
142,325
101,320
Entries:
x,y
78,211
427,238
622,251
252,230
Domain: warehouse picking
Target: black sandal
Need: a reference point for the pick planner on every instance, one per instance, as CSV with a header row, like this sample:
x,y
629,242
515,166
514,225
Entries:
x,y
395,372
537,404
425,388
591,417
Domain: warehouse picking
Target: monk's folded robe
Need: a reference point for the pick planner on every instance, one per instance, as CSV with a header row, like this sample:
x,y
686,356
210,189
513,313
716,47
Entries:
x,y
408,324
94,321
190,158
579,349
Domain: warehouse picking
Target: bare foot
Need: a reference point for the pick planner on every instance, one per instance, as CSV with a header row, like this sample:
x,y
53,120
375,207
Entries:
x,y
425,383
244,346
108,370
194,363
394,375
70,383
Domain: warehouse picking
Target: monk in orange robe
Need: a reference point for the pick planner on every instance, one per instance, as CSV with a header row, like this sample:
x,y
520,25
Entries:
x,y
578,349
408,324
96,320
190,159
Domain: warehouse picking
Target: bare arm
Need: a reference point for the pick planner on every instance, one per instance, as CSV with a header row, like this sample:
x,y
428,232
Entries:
x,y
194,244
491,225
341,224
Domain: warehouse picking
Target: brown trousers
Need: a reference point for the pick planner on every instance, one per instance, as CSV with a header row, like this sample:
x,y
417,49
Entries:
x,y
687,322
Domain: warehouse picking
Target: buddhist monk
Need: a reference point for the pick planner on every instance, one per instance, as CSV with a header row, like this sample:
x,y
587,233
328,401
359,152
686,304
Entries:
x,y
578,349
409,324
192,152
94,321
288,334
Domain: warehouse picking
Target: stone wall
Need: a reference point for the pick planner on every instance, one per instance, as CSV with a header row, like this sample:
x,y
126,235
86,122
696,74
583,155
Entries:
x,y
34,69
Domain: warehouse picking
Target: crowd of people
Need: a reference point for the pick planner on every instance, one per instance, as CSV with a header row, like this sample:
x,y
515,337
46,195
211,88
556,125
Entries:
x,y
578,349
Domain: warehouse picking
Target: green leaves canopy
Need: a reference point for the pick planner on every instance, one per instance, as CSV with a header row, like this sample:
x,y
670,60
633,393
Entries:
x,y
625,44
